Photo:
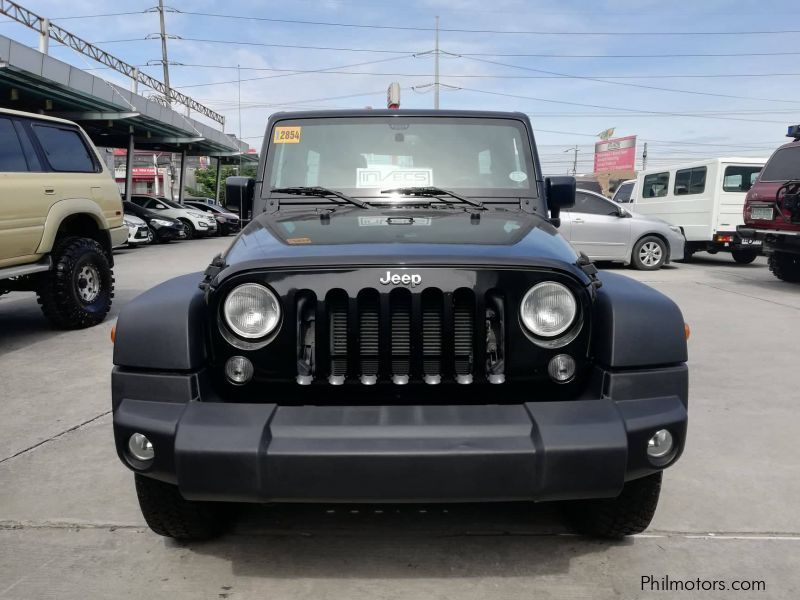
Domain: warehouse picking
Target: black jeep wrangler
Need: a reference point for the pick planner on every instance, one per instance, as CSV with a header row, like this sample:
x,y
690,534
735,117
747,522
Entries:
x,y
400,322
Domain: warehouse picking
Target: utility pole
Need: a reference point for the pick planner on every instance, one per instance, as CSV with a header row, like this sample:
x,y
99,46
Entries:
x,y
239,102
575,159
164,58
436,68
644,157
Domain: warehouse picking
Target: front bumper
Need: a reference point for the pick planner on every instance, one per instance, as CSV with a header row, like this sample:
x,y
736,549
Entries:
x,y
118,235
585,448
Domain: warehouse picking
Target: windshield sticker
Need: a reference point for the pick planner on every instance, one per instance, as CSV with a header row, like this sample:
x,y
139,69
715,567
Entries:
x,y
298,240
391,221
392,177
286,135
517,176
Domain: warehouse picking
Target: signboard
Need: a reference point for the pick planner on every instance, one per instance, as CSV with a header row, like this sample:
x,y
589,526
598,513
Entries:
x,y
618,154
139,172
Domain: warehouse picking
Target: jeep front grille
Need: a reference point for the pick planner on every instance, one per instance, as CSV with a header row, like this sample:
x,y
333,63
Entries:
x,y
400,337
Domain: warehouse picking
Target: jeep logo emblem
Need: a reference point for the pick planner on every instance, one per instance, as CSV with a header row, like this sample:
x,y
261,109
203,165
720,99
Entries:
x,y
412,279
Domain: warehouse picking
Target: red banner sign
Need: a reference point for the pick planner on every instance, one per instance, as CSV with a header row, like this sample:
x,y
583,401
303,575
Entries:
x,y
615,155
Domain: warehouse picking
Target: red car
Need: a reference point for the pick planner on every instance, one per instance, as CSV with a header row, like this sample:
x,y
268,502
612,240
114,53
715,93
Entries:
x,y
772,210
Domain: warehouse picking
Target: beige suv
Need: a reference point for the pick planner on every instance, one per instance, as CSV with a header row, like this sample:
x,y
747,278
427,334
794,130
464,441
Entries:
x,y
60,215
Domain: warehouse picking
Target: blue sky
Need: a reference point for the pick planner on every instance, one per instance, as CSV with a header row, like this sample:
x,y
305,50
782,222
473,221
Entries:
x,y
752,123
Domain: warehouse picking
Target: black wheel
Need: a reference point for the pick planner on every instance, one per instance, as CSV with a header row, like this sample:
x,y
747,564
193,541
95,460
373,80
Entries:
x,y
614,518
77,292
785,266
167,512
744,257
649,253
191,232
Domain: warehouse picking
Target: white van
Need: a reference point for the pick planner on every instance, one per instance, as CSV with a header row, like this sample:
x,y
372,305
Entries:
x,y
705,199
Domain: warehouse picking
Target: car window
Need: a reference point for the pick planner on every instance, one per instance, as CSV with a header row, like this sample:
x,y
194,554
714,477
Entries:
x,y
784,165
655,185
739,179
690,181
623,193
12,158
65,149
592,205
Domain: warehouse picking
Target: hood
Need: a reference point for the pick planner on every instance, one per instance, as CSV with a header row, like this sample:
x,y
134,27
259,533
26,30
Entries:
x,y
133,219
399,236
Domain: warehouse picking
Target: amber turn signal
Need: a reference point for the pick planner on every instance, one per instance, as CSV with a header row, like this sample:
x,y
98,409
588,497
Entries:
x,y
114,334
686,330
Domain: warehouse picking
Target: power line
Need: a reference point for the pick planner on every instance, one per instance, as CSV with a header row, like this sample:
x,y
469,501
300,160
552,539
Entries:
x,y
301,72
628,33
585,105
626,84
492,76
295,46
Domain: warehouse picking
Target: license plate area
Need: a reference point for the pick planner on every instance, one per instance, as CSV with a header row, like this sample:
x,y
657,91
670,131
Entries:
x,y
761,213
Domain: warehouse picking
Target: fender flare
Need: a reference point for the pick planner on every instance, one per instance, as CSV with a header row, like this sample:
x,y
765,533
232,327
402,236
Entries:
x,y
636,326
64,209
164,328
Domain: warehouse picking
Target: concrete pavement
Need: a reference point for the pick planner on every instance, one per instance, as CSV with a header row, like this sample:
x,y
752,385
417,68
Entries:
x,y
70,526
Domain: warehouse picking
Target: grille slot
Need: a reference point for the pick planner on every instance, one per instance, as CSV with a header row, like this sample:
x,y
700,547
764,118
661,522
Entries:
x,y
368,330
432,317
400,327
463,320
337,319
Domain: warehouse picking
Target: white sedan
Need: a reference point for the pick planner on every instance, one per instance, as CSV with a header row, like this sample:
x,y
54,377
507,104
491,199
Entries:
x,y
605,231
197,223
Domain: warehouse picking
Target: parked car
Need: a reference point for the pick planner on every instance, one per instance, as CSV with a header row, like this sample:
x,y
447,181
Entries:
x,y
604,230
60,216
196,223
138,231
626,192
705,199
227,222
772,210
164,229
372,338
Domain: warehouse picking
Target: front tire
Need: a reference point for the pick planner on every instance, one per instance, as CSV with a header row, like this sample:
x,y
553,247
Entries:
x,y
785,266
169,514
614,518
191,232
78,291
744,257
649,253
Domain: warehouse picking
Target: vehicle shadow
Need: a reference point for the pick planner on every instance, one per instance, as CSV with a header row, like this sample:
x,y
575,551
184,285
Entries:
x,y
23,324
391,541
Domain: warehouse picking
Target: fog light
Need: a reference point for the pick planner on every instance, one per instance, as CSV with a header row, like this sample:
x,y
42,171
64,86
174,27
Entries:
x,y
140,447
561,368
238,370
660,444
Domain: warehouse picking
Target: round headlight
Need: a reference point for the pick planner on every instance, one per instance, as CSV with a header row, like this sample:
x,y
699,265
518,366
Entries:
x,y
252,311
548,309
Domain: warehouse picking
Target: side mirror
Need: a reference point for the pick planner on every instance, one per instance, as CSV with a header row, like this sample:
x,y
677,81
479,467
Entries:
x,y
623,214
239,192
560,193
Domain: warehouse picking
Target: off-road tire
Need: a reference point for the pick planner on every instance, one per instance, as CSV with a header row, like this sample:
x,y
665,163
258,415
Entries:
x,y
169,514
191,232
785,266
57,289
649,241
614,518
744,257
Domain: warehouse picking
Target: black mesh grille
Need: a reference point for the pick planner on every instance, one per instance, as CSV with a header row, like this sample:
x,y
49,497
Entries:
x,y
405,336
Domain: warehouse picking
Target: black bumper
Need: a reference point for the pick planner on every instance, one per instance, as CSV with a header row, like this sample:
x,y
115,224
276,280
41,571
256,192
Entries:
x,y
773,240
538,450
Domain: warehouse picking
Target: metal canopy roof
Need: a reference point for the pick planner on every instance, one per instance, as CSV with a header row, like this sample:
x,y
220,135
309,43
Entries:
x,y
35,82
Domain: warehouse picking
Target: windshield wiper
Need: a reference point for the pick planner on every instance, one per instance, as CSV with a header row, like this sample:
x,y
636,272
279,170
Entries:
x,y
319,192
432,192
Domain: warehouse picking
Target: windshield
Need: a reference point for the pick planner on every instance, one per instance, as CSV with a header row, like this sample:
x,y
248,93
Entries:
x,y
171,203
362,156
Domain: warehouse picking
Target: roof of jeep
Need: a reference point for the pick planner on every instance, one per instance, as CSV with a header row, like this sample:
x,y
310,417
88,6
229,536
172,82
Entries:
x,y
30,115
385,112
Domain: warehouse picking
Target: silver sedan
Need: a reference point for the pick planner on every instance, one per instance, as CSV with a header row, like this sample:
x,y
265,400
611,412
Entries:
x,y
605,230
